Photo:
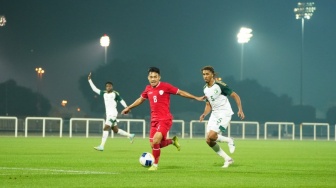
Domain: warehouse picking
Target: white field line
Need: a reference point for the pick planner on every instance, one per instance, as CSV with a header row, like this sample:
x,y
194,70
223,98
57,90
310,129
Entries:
x,y
54,171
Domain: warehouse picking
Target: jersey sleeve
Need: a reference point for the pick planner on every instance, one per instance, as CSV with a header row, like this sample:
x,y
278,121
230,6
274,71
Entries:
x,y
226,90
144,93
95,89
117,97
171,89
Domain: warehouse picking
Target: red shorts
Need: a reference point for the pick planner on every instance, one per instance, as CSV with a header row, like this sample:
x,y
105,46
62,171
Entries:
x,y
160,126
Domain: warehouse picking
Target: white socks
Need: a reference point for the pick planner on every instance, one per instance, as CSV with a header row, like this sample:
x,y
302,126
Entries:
x,y
105,135
223,139
220,152
123,133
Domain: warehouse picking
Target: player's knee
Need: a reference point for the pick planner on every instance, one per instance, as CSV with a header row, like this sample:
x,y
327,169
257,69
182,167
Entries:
x,y
106,128
212,136
115,129
157,138
156,141
211,140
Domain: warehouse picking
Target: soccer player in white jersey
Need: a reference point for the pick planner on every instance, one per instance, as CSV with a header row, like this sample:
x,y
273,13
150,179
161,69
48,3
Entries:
x,y
216,101
111,98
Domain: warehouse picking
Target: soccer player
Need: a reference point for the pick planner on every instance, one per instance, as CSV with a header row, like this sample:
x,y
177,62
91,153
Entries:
x,y
111,98
158,94
216,93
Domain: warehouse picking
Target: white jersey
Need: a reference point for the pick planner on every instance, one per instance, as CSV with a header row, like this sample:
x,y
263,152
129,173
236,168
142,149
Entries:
x,y
110,99
216,95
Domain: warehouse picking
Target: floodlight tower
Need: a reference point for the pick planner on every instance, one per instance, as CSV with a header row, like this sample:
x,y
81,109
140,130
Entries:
x,y
40,73
105,42
303,11
243,36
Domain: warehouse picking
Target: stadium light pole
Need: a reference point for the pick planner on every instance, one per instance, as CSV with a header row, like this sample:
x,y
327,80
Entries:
x,y
2,20
105,42
303,11
40,73
243,36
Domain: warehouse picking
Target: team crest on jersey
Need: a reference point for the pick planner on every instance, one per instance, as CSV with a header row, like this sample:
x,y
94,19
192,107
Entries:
x,y
161,92
216,91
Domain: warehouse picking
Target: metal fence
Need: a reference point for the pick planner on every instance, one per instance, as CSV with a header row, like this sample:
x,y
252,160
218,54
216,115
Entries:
x,y
90,127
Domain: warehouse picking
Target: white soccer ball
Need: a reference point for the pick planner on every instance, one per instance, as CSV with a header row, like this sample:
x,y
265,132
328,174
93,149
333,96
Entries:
x,y
146,159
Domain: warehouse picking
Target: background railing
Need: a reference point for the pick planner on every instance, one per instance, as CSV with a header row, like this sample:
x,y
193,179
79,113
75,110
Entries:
x,y
89,127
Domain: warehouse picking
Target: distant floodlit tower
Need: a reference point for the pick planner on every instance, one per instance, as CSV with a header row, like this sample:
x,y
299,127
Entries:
x,y
39,72
303,11
64,103
2,20
105,42
243,36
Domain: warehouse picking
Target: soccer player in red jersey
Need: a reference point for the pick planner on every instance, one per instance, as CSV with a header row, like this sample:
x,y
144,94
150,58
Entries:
x,y
158,93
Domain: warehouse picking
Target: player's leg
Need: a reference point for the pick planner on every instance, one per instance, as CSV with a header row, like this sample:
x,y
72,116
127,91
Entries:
x,y
109,122
224,123
211,141
123,133
161,130
212,136
173,141
166,142
104,137
156,150
155,146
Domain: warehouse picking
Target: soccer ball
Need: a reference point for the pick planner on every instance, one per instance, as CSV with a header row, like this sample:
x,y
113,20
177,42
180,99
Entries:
x,y
146,159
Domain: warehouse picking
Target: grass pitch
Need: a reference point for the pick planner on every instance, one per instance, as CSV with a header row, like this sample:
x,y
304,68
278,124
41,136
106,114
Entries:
x,y
72,162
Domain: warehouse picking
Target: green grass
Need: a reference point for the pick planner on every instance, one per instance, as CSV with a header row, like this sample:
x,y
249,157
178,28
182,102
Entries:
x,y
72,162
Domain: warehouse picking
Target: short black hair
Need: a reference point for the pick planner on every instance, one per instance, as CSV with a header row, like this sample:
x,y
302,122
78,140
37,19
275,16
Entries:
x,y
108,83
209,68
154,69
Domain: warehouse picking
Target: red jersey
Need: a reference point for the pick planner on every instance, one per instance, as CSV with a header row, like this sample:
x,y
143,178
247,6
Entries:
x,y
159,100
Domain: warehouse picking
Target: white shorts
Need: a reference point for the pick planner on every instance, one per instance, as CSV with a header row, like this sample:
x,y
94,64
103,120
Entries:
x,y
218,122
111,121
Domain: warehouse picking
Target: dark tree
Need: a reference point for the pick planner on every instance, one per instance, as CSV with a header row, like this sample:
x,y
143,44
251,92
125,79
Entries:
x,y
331,115
21,101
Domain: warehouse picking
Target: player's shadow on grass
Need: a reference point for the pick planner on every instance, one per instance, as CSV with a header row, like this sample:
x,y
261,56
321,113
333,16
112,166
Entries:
x,y
221,164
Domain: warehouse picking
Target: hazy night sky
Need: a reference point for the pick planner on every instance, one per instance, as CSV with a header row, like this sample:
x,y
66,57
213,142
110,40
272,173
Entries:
x,y
63,36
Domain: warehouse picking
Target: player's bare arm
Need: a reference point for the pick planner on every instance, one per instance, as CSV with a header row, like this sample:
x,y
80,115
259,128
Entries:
x,y
89,77
207,110
236,97
188,95
136,103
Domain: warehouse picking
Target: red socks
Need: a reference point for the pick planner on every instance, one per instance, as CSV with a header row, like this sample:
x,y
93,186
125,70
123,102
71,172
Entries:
x,y
165,143
156,153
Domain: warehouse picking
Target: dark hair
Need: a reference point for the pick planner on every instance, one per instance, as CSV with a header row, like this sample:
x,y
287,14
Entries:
x,y
209,68
154,69
108,83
